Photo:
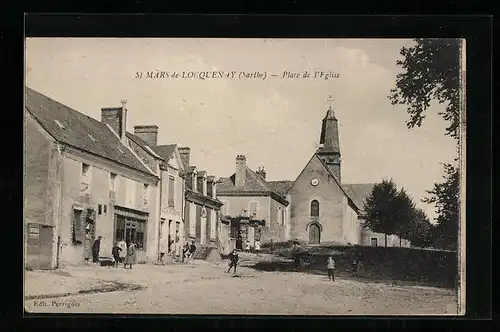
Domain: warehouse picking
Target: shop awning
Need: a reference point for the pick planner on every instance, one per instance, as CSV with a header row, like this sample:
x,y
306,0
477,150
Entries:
x,y
131,213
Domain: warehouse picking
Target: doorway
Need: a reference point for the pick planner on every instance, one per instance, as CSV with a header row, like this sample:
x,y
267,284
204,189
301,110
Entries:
x,y
374,242
314,234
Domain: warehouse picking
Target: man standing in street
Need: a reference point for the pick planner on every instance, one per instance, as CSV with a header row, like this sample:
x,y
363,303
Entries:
x,y
192,250
233,260
95,250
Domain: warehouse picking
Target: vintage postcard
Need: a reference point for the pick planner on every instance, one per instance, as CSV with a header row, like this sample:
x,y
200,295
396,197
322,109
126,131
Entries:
x,y
244,176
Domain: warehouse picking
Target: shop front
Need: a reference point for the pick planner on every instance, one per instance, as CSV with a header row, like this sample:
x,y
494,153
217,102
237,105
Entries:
x,y
131,226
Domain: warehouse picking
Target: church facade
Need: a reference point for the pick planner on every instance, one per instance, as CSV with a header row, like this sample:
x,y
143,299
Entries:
x,y
322,208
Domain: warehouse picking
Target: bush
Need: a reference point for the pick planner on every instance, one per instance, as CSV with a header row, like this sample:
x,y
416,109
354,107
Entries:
x,y
393,263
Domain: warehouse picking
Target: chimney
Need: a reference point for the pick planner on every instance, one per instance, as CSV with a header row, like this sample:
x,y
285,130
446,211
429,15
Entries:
x,y
261,172
116,118
185,152
201,184
211,186
148,133
241,171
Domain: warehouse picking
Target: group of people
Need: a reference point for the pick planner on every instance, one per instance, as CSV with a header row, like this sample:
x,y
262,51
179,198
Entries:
x,y
121,252
256,246
188,252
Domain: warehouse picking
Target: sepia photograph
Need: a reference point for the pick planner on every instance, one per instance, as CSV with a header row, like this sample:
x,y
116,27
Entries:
x,y
252,176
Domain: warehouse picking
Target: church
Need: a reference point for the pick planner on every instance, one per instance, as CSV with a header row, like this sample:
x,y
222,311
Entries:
x,y
322,208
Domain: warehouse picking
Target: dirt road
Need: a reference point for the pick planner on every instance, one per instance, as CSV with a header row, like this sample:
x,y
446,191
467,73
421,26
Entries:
x,y
211,290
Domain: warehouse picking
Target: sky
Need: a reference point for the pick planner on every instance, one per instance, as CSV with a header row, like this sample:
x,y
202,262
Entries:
x,y
275,122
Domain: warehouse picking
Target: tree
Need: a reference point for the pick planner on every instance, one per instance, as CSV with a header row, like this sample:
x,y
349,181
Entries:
x,y
421,230
404,213
432,71
444,196
379,208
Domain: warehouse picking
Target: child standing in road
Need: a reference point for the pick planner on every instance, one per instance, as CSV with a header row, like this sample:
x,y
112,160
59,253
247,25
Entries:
x,y
233,260
330,266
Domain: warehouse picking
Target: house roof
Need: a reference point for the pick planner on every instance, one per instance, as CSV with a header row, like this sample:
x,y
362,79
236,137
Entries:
x,y
281,187
166,151
253,183
152,150
79,130
358,192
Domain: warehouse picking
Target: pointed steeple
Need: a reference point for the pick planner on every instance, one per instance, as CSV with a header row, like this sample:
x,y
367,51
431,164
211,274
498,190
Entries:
x,y
329,150
329,138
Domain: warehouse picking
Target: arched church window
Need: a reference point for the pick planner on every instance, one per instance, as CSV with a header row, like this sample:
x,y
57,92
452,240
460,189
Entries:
x,y
314,208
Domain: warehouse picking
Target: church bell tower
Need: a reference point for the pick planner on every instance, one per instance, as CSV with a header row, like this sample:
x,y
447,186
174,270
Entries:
x,y
329,150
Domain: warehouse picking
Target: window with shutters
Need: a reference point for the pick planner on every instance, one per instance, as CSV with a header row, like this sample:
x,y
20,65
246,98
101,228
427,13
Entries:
x,y
112,182
171,191
85,180
314,208
224,208
131,184
145,193
252,208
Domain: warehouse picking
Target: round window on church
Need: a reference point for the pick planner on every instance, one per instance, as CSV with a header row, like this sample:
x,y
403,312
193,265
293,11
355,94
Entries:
x,y
314,182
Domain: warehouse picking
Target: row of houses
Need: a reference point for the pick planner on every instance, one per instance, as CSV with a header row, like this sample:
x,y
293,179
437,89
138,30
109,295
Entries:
x,y
86,178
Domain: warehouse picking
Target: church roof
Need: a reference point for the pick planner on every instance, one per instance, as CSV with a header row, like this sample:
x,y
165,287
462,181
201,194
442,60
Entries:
x,y
253,184
359,192
76,129
348,195
281,187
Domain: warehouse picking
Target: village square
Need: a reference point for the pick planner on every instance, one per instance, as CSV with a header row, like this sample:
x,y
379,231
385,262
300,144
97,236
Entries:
x,y
123,221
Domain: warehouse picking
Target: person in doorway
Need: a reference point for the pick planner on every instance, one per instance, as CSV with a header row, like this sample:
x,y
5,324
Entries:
x,y
233,260
95,250
330,266
88,245
115,252
131,255
257,246
247,246
239,241
170,242
192,250
123,252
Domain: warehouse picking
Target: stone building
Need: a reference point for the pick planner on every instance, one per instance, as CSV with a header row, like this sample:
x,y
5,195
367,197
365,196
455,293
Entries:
x,y
201,206
247,194
166,160
83,180
323,209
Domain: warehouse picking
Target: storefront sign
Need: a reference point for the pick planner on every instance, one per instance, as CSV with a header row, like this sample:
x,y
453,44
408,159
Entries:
x,y
34,231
